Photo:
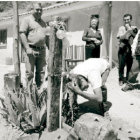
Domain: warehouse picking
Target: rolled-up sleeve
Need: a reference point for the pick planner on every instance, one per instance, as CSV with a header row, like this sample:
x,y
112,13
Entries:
x,y
24,26
120,32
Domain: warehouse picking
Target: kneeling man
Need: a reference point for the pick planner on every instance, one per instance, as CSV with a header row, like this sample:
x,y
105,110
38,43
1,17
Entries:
x,y
94,72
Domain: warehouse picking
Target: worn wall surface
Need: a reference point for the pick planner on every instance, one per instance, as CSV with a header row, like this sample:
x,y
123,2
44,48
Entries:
x,y
78,15
6,53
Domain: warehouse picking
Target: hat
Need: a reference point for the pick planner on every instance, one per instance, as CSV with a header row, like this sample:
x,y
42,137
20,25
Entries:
x,y
95,16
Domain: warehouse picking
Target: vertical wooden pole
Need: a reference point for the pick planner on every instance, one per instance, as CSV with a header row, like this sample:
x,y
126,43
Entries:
x,y
107,24
110,32
50,64
54,80
61,85
110,51
16,38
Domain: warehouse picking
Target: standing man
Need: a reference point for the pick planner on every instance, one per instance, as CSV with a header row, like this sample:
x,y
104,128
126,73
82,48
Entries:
x,y
126,34
93,72
33,38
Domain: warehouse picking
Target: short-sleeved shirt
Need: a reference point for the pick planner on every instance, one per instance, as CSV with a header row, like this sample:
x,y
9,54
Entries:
x,y
92,69
135,43
89,33
34,30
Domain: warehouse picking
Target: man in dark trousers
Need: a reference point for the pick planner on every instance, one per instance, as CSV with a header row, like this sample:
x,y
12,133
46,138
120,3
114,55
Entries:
x,y
92,72
33,37
135,71
126,34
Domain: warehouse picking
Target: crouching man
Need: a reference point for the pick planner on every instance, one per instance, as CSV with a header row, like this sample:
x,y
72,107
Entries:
x,y
93,72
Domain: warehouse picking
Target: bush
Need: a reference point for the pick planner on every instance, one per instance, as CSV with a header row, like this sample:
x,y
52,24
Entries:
x,y
27,111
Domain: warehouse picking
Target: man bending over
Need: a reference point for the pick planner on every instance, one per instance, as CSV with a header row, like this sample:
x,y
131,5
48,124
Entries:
x,y
94,72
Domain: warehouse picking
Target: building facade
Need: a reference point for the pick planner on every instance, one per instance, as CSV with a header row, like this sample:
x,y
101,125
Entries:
x,y
77,16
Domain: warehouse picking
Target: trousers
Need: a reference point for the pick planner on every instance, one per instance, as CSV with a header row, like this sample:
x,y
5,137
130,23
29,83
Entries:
x,y
35,65
92,52
125,59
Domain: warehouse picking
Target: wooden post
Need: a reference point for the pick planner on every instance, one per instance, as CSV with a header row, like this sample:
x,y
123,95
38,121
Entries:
x,y
11,82
61,85
107,24
54,80
110,51
110,32
16,38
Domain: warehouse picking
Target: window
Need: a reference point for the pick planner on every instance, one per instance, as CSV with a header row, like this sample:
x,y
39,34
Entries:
x,y
3,38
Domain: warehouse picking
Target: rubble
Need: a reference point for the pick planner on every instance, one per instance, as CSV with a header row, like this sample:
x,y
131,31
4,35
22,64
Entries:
x,y
94,127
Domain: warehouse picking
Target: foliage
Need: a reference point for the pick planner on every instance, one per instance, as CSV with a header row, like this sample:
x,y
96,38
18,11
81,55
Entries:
x,y
70,108
27,111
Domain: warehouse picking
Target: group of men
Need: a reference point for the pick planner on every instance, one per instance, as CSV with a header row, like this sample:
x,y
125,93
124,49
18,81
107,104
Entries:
x,y
93,71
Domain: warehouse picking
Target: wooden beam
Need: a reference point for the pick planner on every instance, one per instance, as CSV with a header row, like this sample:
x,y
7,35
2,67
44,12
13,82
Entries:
x,y
110,51
16,58
107,24
54,80
110,31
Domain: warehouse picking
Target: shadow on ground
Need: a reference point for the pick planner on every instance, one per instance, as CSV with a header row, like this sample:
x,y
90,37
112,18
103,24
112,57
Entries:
x,y
132,84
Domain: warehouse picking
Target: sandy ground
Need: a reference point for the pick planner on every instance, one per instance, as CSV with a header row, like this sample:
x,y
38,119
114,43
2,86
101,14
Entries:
x,y
125,105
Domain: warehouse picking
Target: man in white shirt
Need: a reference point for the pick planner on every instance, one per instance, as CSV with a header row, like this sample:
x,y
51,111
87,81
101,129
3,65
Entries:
x,y
94,72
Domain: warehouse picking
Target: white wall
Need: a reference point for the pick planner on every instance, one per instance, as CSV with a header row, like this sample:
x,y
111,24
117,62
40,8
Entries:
x,y
7,53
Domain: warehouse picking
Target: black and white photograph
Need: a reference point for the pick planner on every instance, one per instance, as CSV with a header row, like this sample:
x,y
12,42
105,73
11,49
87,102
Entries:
x,y
69,70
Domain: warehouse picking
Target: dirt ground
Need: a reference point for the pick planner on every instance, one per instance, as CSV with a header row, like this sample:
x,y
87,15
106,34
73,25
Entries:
x,y
125,105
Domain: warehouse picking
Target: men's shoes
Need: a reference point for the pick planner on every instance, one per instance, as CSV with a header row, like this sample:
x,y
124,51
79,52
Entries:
x,y
127,87
120,83
125,80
